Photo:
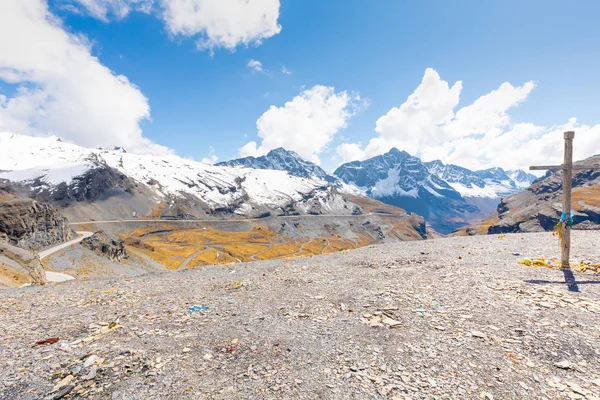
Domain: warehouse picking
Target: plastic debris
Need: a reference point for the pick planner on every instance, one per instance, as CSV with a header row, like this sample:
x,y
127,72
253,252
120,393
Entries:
x,y
516,253
46,341
197,308
114,323
65,347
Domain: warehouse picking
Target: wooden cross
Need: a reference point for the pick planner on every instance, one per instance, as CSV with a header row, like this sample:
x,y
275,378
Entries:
x,y
567,168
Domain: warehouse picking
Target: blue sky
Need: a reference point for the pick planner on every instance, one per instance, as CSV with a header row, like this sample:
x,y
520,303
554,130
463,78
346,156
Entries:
x,y
379,51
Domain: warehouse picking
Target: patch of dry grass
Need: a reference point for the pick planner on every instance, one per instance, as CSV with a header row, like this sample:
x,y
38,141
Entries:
x,y
210,257
589,195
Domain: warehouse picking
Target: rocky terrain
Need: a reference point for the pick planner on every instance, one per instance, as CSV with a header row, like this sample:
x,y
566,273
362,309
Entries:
x,y
452,318
19,266
107,245
539,207
30,224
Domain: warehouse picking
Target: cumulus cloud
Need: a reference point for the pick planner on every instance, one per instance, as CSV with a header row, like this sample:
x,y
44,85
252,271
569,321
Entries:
x,y
306,124
222,23
285,71
255,65
61,88
479,135
213,23
105,10
212,158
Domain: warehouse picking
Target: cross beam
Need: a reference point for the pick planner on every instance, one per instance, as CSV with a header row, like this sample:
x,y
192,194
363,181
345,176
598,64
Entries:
x,y
567,168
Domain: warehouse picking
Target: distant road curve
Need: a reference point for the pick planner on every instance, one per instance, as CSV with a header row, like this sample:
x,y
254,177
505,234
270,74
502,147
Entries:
x,y
114,221
59,276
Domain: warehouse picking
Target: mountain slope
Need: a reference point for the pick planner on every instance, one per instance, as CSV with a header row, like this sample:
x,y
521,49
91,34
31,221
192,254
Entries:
x,y
282,160
65,173
448,196
397,178
100,185
539,207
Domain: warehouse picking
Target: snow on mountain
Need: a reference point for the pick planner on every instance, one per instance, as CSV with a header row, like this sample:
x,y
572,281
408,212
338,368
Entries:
x,y
397,178
447,195
521,178
282,160
46,163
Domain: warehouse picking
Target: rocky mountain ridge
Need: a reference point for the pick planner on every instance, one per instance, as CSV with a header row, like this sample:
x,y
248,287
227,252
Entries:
x,y
121,184
448,196
282,160
539,207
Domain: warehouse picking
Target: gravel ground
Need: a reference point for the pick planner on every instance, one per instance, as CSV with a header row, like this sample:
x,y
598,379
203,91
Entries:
x,y
453,318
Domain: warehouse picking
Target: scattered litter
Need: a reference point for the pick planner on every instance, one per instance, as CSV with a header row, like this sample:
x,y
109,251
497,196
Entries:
x,y
65,347
114,323
554,263
196,308
516,253
46,341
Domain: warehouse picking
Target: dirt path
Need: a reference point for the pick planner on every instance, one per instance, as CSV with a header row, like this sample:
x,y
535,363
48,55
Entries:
x,y
52,276
190,258
253,257
326,246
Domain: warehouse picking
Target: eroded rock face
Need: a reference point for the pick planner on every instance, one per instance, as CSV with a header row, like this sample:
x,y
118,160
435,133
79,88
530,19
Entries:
x,y
539,207
26,259
90,186
31,224
106,245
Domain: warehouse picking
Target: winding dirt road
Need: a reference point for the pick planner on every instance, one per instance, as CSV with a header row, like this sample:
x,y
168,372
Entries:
x,y
59,276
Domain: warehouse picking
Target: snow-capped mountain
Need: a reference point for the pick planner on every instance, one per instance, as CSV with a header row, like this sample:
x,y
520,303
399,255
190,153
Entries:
x,y
67,174
282,160
492,183
521,178
448,196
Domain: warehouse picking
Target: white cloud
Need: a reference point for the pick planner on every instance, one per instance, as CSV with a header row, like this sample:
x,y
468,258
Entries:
x,y
105,9
62,88
222,23
212,158
255,65
306,124
285,71
214,23
479,135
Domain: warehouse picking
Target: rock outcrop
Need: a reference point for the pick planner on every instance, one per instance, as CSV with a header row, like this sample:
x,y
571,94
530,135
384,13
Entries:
x,y
539,207
27,260
107,245
30,224
90,186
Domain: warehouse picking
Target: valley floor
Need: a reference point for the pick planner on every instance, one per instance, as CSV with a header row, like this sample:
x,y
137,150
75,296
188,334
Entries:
x,y
454,318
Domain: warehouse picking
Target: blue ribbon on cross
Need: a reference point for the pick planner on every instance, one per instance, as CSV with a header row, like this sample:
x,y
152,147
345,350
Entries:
x,y
567,218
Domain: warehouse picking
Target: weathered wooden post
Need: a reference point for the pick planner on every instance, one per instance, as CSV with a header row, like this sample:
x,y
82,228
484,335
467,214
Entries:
x,y
565,246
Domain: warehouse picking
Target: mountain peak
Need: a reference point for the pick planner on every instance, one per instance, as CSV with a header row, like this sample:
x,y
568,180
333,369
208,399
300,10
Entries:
x,y
283,160
282,152
397,153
